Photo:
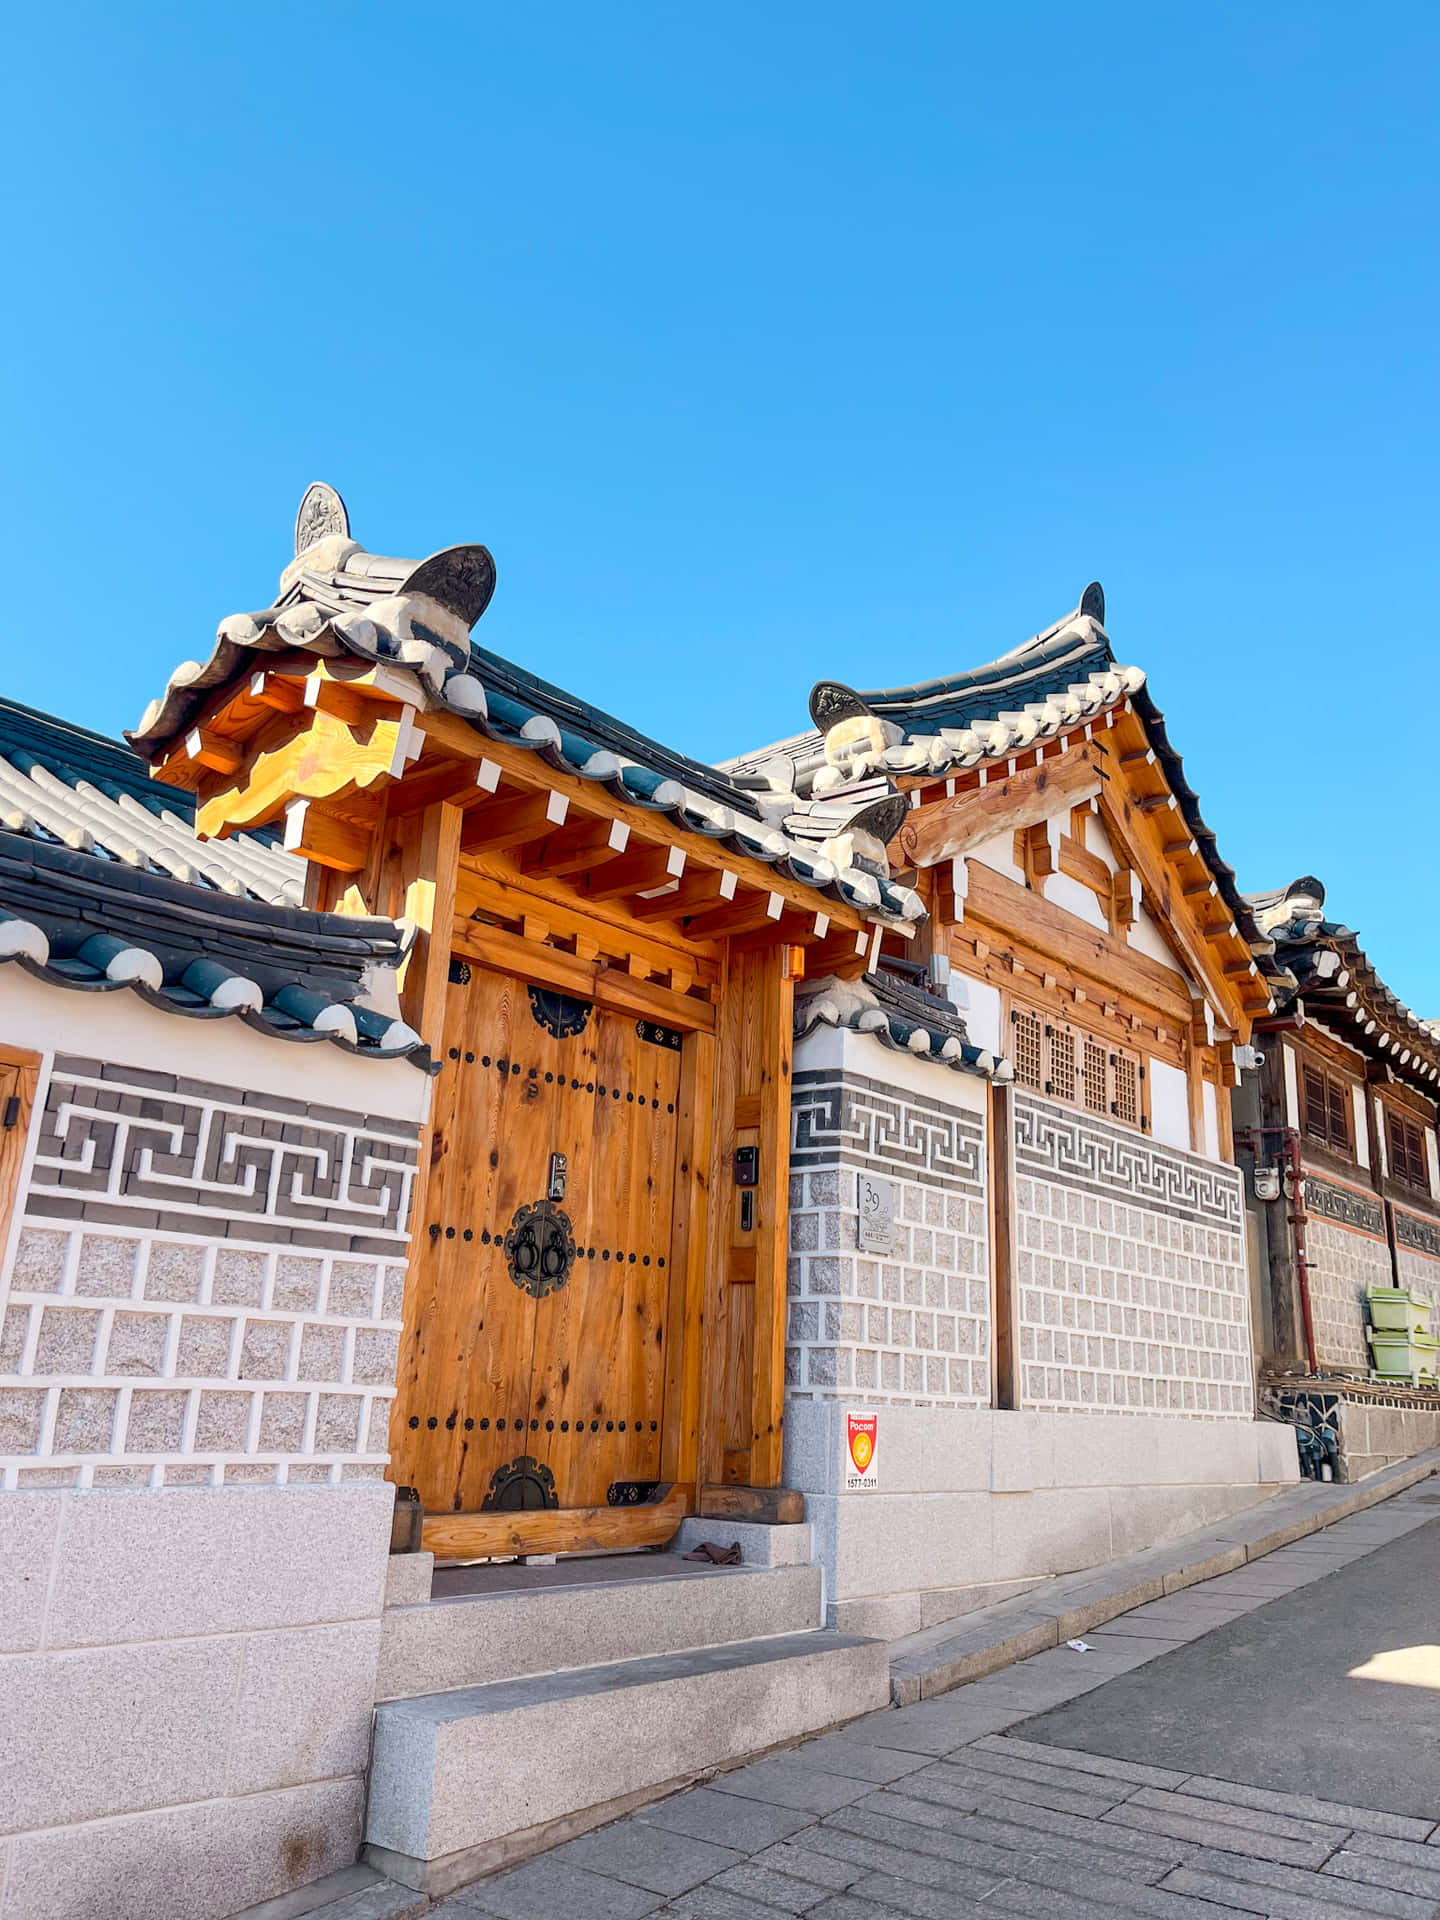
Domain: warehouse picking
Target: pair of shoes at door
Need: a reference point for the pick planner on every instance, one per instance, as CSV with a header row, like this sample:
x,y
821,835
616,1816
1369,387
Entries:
x,y
714,1555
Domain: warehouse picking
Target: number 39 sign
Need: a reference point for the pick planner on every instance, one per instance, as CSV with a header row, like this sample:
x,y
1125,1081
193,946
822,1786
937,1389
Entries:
x,y
862,1439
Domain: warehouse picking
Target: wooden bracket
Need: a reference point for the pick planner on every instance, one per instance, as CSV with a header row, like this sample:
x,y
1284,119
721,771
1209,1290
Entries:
x,y
317,833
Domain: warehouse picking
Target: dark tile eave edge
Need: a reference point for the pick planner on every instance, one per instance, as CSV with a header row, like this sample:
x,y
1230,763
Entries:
x,y
418,1055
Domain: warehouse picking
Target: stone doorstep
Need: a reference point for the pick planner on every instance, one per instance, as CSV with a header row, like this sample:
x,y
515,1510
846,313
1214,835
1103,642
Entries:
x,y
455,1774
924,1665
475,1639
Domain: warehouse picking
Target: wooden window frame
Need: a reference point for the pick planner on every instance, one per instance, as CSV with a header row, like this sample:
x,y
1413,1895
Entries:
x,y
1410,1167
1335,1096
1080,1046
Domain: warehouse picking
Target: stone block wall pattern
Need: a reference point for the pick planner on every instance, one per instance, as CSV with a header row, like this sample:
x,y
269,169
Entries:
x,y
186,1684
1346,1252
1131,1272
907,1327
206,1286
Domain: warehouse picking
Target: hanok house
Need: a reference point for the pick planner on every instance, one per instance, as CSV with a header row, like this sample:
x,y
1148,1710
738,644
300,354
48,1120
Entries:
x,y
1017,1236
1341,1143
211,1113
225,1122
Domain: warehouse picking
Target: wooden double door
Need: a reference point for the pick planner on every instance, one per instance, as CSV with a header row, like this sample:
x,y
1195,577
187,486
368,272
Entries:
x,y
533,1367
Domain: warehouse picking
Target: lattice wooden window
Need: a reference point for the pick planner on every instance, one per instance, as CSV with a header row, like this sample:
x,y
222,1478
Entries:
x,y
1126,1104
1097,1091
1405,1146
1061,1079
1328,1110
1029,1071
1074,1067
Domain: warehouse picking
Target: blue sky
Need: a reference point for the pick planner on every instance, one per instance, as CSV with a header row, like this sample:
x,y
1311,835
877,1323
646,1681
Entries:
x,y
759,344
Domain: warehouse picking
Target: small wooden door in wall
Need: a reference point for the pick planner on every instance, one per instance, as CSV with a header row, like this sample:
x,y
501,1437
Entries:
x,y
532,1368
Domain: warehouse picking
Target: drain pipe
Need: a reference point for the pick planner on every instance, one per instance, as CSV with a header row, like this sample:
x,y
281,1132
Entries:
x,y
1289,1149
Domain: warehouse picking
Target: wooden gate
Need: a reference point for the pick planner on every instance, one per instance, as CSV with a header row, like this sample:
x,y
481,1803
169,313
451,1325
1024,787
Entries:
x,y
533,1367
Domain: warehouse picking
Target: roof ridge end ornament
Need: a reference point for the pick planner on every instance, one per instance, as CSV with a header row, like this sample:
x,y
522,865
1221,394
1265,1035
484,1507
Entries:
x,y
461,579
831,701
1092,603
321,514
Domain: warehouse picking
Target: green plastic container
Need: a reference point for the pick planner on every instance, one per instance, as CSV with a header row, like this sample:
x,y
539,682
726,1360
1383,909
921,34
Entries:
x,y
1397,1310
1403,1356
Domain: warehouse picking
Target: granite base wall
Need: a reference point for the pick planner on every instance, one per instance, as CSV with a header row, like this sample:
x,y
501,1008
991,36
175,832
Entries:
x,y
186,1684
973,1506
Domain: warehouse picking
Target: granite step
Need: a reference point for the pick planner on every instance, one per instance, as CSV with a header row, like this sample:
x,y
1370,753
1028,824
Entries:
x,y
474,1639
467,1781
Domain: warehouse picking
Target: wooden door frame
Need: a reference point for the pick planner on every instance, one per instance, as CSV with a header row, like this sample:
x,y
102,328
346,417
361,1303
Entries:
x,y
480,1535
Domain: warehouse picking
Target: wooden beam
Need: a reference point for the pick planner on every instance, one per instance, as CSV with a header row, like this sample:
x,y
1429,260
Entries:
x,y
458,783
576,848
841,953
764,1506
696,893
1101,959
636,872
594,979
949,828
479,1536
206,749
1082,865
741,916
450,734
1138,838
795,929
511,823
317,833
278,691
430,907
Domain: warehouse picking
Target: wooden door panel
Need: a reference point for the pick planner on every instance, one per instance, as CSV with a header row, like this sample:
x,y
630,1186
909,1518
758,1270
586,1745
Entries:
x,y
463,1410
599,1341
567,1372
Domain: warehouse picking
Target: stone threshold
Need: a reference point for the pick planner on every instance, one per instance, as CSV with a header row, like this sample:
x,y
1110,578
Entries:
x,y
924,1665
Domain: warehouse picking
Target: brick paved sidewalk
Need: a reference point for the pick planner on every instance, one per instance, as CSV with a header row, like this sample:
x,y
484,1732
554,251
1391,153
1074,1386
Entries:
x,y
937,1811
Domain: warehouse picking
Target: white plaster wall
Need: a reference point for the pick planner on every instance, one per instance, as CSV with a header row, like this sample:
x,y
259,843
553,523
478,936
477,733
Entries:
x,y
1075,898
1097,840
186,1682
999,855
973,1506
1210,1118
1362,1131
1169,1104
122,1027
1145,936
1292,1087
982,1018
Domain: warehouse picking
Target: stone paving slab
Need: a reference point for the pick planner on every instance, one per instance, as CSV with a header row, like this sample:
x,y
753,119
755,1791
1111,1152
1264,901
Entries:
x,y
934,1810
926,1664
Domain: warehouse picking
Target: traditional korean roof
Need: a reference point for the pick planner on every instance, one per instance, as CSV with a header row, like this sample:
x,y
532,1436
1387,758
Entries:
x,y
96,924
1333,979
64,785
336,601
1057,683
903,1018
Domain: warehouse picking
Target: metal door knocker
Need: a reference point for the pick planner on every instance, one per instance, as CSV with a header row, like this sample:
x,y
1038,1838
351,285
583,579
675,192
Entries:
x,y
539,1248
